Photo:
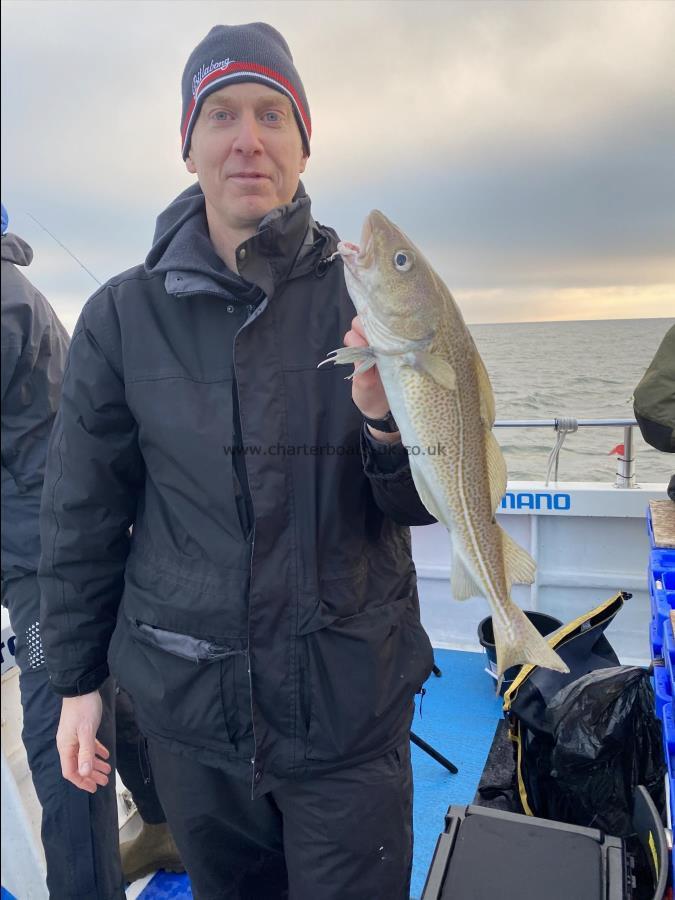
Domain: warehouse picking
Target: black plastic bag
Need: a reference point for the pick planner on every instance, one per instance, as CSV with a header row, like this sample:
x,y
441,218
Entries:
x,y
606,741
605,720
583,646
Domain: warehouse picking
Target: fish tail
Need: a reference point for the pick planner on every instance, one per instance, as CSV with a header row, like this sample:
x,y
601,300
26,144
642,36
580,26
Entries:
x,y
520,643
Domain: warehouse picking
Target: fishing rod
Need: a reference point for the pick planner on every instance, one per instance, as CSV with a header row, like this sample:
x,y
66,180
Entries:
x,y
69,252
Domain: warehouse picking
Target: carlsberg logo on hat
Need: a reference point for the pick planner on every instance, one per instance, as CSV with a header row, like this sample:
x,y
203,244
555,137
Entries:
x,y
234,53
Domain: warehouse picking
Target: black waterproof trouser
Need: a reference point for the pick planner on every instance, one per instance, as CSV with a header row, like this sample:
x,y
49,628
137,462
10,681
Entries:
x,y
132,761
346,835
80,831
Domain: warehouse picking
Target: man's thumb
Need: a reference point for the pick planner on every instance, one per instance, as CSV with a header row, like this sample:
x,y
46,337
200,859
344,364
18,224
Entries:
x,y
85,755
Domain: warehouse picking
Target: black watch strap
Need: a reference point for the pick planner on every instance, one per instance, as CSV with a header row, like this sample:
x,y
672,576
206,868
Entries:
x,y
387,424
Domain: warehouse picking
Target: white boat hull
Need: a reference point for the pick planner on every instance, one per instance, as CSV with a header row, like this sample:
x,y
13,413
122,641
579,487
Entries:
x,y
589,541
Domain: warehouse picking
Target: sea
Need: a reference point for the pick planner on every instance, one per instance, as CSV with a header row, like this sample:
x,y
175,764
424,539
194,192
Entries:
x,y
584,370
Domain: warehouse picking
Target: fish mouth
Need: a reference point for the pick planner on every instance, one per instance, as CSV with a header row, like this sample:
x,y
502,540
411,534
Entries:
x,y
374,223
357,256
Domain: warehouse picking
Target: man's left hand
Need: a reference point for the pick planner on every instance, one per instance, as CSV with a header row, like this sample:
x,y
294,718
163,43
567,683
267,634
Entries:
x,y
367,388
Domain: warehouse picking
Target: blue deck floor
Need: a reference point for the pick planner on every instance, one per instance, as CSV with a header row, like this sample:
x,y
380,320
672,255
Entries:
x,y
459,715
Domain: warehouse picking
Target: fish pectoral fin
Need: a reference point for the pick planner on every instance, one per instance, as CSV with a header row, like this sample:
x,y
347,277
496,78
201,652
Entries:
x,y
496,465
462,582
344,356
434,366
487,397
363,358
519,643
519,567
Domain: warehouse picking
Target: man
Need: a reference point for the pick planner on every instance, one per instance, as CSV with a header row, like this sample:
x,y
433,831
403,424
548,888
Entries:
x,y
79,832
263,615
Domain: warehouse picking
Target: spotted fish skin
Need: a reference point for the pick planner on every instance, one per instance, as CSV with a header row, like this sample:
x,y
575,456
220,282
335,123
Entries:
x,y
440,395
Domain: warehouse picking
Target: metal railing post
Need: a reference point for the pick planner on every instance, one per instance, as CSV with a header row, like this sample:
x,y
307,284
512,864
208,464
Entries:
x,y
625,476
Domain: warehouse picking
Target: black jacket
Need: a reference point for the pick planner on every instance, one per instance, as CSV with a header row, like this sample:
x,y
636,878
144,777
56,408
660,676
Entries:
x,y
34,347
309,582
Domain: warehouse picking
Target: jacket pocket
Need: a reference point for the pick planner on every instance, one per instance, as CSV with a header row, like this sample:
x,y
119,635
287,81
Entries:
x,y
362,674
183,687
186,646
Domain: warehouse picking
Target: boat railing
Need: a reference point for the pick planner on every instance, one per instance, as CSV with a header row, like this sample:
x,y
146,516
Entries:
x,y
625,476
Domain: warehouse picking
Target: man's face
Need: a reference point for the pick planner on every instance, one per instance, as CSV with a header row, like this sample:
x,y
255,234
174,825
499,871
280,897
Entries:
x,y
247,153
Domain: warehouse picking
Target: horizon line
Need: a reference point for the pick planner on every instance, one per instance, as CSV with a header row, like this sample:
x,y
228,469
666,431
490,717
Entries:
x,y
548,321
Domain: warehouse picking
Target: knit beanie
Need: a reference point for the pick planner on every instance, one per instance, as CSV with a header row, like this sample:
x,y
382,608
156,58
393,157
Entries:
x,y
234,53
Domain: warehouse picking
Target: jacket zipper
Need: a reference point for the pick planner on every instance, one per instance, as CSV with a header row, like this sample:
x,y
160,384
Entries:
x,y
254,315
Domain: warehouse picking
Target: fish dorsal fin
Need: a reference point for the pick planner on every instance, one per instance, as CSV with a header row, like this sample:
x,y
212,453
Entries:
x,y
496,465
434,366
519,567
462,583
487,397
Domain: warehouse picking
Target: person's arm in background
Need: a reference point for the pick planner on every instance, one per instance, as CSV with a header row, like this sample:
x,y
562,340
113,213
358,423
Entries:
x,y
12,550
654,397
654,401
93,478
34,349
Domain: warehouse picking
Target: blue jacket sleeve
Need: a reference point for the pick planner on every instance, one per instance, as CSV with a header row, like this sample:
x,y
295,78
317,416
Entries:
x,y
93,477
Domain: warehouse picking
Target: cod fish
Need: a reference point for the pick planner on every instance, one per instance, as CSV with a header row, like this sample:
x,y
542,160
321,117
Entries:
x,y
440,395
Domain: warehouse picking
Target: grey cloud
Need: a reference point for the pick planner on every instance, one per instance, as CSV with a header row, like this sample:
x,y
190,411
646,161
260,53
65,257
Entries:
x,y
520,144
597,213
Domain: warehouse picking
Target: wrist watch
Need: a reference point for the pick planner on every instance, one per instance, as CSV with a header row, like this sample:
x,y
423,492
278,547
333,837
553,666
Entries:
x,y
386,424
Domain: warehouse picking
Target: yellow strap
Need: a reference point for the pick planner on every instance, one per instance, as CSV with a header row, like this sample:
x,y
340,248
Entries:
x,y
554,640
652,847
516,737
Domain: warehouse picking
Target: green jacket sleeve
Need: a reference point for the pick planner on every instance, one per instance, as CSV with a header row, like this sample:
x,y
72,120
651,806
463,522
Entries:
x,y
654,397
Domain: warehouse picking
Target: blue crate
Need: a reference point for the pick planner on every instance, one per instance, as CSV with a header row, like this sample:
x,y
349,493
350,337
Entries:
x,y
666,579
669,653
650,527
669,738
662,689
662,594
656,641
662,562
669,750
668,559
661,574
659,606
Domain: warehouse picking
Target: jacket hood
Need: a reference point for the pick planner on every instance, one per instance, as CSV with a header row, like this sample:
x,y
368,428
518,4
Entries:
x,y
16,250
183,251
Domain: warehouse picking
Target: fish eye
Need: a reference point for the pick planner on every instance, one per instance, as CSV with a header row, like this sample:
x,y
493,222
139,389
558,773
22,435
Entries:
x,y
403,260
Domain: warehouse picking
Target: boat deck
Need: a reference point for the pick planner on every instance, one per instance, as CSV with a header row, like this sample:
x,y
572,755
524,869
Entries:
x,y
459,714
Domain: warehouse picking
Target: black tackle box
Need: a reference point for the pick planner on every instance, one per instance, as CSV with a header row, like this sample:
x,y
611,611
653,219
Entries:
x,y
486,854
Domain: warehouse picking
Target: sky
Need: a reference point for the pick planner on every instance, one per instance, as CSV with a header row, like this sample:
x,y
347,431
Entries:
x,y
528,148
